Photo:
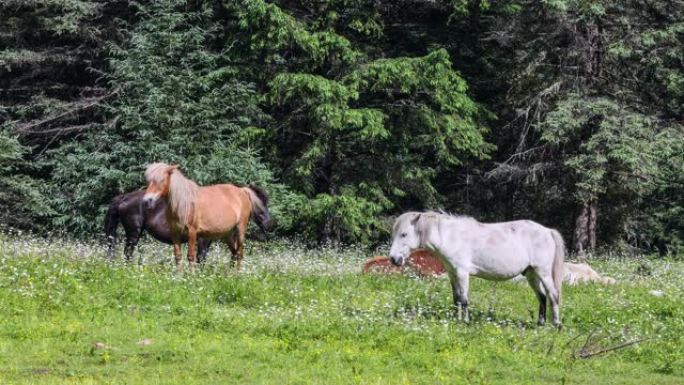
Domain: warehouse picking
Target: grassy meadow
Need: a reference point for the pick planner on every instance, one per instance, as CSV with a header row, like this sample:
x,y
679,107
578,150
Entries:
x,y
298,316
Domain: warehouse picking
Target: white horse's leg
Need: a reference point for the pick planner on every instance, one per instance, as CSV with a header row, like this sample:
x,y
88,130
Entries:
x,y
464,283
553,295
459,287
455,293
538,288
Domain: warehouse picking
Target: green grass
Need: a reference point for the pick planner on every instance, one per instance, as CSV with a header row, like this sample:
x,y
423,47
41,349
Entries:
x,y
299,317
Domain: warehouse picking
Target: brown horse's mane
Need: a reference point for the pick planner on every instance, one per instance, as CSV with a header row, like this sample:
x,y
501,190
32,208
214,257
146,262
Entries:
x,y
182,191
260,192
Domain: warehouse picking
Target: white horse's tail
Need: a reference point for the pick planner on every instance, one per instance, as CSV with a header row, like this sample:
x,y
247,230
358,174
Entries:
x,y
558,261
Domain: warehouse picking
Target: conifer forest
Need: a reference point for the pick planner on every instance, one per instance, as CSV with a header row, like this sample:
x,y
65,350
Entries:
x,y
349,112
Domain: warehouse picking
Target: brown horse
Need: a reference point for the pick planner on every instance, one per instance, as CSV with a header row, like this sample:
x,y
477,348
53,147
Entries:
x,y
420,261
216,212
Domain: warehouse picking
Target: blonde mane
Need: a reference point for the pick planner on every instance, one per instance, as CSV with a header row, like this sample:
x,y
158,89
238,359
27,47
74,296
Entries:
x,y
182,191
156,172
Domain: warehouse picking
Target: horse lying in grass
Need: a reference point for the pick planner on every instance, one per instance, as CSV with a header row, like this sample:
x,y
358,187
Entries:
x,y
420,261
581,272
216,212
128,209
576,273
493,251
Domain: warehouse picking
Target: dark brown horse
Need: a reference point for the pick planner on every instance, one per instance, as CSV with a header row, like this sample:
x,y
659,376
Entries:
x,y
129,210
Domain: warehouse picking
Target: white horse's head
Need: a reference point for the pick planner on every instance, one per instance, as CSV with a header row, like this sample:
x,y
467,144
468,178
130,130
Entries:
x,y
405,237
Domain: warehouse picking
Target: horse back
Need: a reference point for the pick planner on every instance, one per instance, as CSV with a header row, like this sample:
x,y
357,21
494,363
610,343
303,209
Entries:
x,y
536,241
219,208
500,250
129,209
134,217
127,202
524,231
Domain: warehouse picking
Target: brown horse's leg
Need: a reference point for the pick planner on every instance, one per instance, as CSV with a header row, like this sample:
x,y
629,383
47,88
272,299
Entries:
x,y
241,243
192,248
232,245
177,255
240,253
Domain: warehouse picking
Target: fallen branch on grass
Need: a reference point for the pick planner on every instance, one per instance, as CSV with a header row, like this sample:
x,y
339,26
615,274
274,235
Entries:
x,y
585,354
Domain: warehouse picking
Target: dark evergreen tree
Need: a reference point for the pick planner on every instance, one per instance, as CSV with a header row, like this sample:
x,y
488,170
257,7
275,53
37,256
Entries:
x,y
568,112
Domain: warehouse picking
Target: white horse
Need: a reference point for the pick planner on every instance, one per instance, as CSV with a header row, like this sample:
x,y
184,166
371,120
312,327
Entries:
x,y
493,251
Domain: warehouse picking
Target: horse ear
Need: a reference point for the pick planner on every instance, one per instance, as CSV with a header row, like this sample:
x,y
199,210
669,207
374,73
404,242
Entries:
x,y
415,219
172,167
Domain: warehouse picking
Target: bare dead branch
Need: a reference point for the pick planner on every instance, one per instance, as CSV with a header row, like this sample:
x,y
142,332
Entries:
x,y
585,354
66,129
28,129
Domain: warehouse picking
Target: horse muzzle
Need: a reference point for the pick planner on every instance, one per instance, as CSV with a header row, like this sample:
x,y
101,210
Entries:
x,y
397,261
149,200
268,224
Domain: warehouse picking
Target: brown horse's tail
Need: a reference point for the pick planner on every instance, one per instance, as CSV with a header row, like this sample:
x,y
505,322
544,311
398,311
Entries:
x,y
558,261
111,224
259,200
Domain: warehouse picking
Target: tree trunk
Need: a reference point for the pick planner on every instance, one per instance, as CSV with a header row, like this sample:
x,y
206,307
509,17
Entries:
x,y
591,225
595,52
332,232
585,229
581,232
332,227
